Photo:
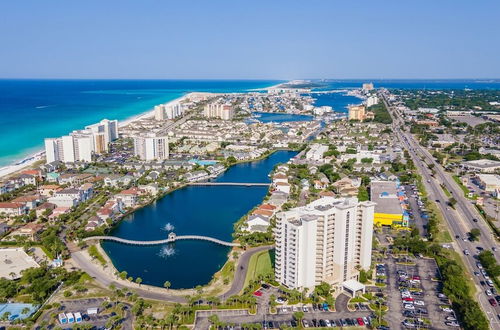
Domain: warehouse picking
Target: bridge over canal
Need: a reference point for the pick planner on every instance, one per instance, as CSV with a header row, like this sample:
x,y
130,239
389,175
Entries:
x,y
246,184
172,237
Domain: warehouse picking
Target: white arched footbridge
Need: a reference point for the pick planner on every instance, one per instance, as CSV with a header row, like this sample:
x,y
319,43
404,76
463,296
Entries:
x,y
171,238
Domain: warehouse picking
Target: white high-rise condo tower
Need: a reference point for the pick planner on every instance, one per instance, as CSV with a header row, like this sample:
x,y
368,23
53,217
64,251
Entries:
x,y
328,240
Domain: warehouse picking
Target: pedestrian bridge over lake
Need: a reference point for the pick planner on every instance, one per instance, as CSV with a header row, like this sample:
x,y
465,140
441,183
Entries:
x,y
171,238
246,184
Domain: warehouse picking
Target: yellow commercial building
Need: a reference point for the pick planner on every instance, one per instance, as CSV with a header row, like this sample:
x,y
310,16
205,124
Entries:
x,y
389,210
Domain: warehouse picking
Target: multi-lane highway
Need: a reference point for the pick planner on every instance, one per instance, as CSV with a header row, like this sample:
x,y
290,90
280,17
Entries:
x,y
460,219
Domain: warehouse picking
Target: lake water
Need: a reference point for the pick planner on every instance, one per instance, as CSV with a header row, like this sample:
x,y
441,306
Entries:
x,y
197,210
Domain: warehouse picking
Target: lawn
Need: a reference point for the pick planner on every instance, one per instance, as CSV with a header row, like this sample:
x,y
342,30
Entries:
x,y
464,188
260,264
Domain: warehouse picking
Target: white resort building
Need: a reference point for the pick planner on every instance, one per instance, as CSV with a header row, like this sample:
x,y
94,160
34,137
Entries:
x,y
327,240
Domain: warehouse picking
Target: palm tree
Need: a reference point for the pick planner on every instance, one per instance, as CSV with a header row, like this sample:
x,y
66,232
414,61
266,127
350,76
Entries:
x,y
167,285
138,281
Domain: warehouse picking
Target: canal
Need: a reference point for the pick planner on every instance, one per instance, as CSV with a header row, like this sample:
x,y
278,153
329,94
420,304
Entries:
x,y
196,210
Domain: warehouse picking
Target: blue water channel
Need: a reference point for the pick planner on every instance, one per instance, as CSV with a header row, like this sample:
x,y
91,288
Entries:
x,y
197,210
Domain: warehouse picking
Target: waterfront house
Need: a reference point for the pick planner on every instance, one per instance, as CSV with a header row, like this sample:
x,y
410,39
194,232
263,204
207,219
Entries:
x,y
278,198
266,213
151,188
283,187
196,176
13,209
129,197
280,177
257,223
93,223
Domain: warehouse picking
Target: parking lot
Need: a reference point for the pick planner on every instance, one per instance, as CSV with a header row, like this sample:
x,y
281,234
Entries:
x,y
414,295
82,305
315,315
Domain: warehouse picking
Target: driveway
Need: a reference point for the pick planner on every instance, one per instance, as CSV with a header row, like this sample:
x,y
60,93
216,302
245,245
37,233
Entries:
x,y
341,303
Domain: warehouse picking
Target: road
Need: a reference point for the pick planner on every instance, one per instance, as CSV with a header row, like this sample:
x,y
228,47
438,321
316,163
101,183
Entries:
x,y
104,279
241,271
460,219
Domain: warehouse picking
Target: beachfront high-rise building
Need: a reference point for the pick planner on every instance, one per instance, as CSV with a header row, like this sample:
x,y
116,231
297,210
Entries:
x,y
150,147
168,111
159,112
81,145
103,132
219,110
328,240
53,149
357,112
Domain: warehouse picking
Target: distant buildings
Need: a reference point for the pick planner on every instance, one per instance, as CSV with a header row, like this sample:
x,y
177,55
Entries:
x,y
168,111
481,165
219,110
151,147
372,100
81,145
326,241
389,198
357,112
316,151
367,87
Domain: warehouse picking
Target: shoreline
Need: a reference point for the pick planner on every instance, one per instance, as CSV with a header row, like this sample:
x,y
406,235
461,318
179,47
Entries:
x,y
32,158
29,160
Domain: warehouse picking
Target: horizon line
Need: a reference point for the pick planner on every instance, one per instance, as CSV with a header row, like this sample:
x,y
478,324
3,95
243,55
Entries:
x,y
242,79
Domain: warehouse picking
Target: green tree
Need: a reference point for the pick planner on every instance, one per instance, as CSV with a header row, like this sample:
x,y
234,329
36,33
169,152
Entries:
x,y
363,194
167,285
474,234
298,316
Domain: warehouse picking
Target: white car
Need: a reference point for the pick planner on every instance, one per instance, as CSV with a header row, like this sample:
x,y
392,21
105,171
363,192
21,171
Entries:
x,y
466,252
409,306
419,303
328,324
447,310
488,292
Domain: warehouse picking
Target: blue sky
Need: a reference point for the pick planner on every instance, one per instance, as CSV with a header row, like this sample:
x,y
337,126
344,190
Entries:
x,y
255,39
